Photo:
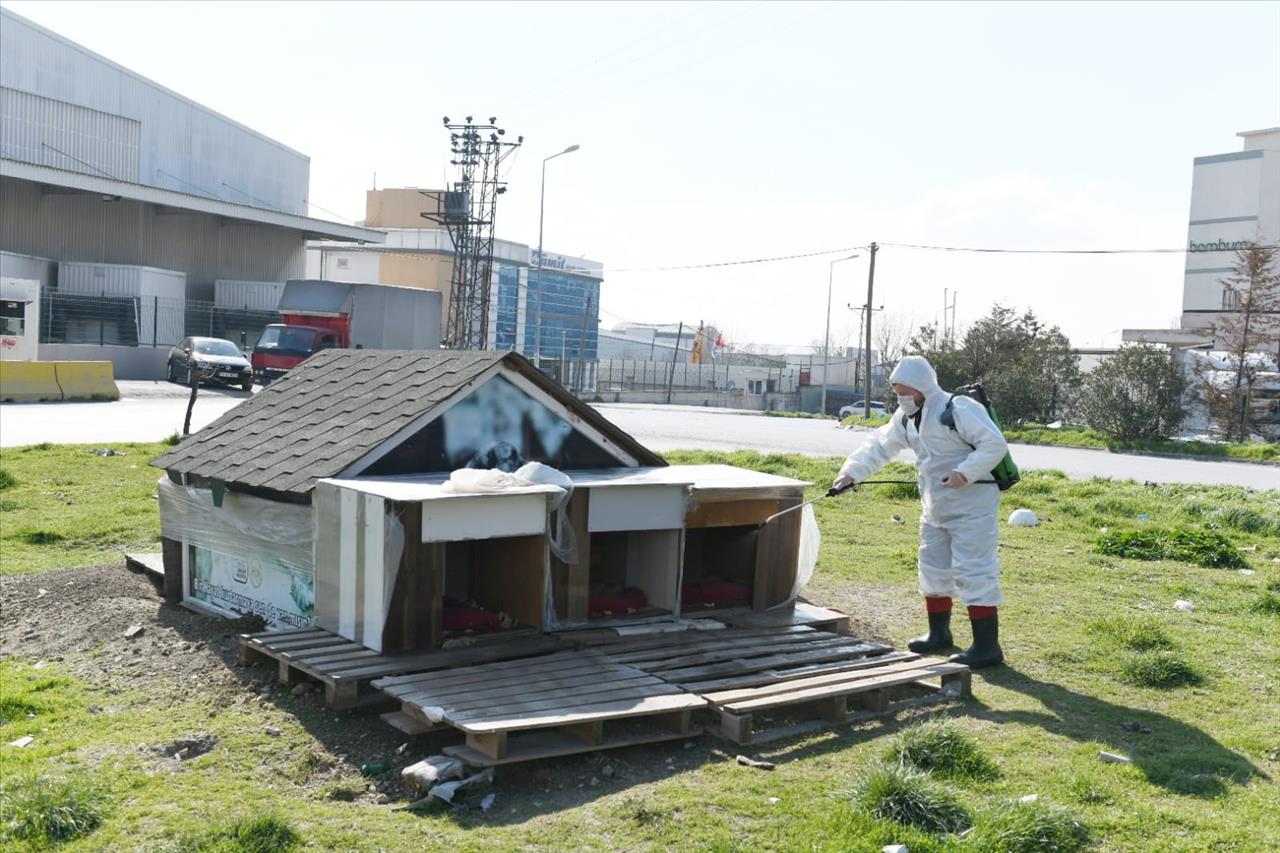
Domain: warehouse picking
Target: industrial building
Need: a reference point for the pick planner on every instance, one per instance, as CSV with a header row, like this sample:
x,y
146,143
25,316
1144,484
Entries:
x,y
417,252
127,202
1235,200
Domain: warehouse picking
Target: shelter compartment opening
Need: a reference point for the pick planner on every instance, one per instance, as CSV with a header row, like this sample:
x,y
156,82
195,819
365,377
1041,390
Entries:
x,y
719,568
493,585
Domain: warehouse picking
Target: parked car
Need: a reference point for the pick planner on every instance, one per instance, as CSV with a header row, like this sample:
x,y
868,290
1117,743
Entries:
x,y
218,360
877,408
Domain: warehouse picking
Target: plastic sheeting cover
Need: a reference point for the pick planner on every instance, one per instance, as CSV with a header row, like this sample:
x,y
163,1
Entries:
x,y
244,526
810,544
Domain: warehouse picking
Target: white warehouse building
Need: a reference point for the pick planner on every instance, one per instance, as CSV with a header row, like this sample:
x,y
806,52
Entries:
x,y
101,166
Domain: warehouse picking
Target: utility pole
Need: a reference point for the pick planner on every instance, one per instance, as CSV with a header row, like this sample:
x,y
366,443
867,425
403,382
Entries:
x,y
826,341
672,377
871,283
542,207
582,342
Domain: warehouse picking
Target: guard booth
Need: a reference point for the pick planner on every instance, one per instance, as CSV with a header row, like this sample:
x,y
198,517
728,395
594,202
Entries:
x,y
19,319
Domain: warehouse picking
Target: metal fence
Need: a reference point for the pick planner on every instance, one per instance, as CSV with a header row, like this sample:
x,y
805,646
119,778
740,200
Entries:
x,y
144,321
617,375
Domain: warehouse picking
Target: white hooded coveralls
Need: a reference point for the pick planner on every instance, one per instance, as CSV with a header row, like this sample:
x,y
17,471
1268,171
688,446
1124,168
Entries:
x,y
959,527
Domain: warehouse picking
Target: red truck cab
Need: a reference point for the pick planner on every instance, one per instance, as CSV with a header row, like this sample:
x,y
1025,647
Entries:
x,y
283,346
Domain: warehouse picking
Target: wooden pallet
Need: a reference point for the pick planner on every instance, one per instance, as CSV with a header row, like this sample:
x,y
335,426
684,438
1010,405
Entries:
x,y
557,704
346,668
799,613
744,672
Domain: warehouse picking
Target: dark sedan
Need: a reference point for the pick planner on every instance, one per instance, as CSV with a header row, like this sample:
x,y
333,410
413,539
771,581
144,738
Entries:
x,y
215,360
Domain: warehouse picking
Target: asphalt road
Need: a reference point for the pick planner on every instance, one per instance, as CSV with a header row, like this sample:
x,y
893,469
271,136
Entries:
x,y
150,411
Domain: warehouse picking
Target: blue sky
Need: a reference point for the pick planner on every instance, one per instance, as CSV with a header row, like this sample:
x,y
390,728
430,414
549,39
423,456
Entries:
x,y
721,131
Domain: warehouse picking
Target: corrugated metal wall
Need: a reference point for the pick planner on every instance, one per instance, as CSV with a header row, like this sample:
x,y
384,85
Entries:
x,y
93,279
249,295
82,227
182,145
40,130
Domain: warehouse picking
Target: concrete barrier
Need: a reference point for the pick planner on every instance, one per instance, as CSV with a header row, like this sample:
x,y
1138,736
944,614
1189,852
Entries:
x,y
28,381
86,380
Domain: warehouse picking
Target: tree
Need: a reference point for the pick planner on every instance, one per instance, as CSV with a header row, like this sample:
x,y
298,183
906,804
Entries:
x,y
1247,337
1135,394
1027,367
891,335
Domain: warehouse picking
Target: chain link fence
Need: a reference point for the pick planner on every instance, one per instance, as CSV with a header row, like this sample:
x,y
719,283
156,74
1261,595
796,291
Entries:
x,y
145,321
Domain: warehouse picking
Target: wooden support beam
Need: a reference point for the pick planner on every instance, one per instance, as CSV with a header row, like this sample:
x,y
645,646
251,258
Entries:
x,y
590,732
680,722
171,553
341,695
493,744
833,709
874,700
963,682
736,727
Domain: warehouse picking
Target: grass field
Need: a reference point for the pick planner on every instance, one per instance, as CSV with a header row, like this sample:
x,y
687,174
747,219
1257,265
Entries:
x,y
1085,437
1098,660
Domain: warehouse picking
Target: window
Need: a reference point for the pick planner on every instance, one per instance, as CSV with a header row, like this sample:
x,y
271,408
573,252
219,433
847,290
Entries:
x,y
215,346
13,317
1230,299
327,342
343,263
755,386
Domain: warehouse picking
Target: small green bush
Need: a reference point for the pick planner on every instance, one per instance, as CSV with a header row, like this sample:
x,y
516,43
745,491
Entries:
x,y
174,438
44,811
1202,547
262,834
1162,670
1274,586
1246,520
910,797
1087,788
939,746
7,480
1011,826
1132,632
1268,604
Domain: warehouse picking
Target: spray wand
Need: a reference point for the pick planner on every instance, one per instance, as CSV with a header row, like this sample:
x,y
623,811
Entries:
x,y
833,492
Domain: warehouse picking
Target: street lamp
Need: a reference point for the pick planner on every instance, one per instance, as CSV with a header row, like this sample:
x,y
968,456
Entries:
x,y
826,345
542,206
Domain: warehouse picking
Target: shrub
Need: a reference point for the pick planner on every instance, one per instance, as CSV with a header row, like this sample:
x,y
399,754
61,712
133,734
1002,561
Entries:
x,y
908,796
1135,394
939,746
1202,547
1136,633
1162,670
1268,604
174,438
262,834
44,811
1012,826
40,537
1245,520
7,480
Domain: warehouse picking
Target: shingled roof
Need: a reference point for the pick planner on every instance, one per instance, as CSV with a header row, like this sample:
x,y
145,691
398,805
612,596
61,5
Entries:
x,y
336,407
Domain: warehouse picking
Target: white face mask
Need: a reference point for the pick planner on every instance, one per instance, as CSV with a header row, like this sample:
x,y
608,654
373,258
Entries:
x,y
907,403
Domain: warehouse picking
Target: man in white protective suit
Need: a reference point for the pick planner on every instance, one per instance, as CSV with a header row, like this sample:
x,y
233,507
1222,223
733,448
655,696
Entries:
x,y
956,446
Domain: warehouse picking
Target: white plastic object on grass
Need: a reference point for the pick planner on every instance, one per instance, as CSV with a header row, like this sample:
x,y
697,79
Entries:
x,y
1023,518
1184,606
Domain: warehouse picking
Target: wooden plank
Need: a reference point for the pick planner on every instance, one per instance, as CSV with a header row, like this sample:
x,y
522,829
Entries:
x,y
388,666
415,609
340,647
605,711
535,709
741,513
577,591
727,639
171,554
484,695
777,553
553,743
773,676
745,654
844,687
292,633
729,697
668,640
736,668
284,647
530,669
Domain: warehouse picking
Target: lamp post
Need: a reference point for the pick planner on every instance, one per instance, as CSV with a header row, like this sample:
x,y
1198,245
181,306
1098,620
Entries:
x,y
826,344
542,206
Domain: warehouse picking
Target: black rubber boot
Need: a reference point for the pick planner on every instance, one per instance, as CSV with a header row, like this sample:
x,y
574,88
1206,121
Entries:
x,y
939,637
985,650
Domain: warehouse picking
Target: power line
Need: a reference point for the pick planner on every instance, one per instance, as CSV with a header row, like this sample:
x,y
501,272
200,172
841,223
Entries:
x,y
736,263
996,251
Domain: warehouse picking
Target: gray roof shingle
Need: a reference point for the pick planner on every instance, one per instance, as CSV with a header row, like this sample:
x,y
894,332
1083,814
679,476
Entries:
x,y
337,406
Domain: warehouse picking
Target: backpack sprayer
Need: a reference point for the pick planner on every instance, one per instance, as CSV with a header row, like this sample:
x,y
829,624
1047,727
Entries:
x,y
1004,475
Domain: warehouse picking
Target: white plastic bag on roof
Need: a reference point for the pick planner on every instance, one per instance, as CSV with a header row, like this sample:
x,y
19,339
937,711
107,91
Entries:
x,y
492,481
